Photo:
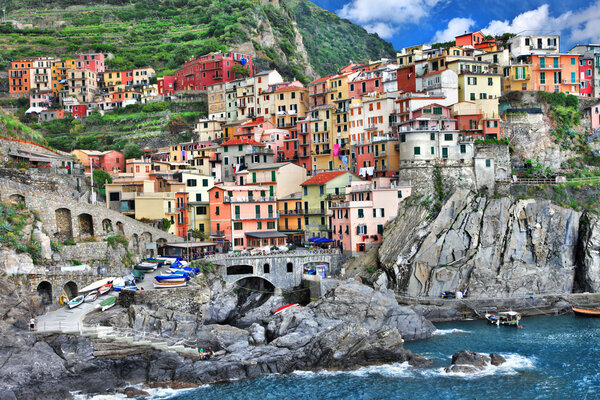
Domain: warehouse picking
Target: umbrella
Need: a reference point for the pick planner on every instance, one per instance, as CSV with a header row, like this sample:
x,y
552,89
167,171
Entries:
x,y
314,239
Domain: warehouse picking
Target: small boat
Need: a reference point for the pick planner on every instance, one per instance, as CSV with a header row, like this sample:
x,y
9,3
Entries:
x,y
586,312
168,284
138,275
185,274
171,278
130,287
280,309
91,296
118,284
145,266
510,318
76,301
107,303
105,288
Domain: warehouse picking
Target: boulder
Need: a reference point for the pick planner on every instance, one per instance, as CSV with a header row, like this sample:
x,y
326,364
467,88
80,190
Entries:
x,y
470,362
496,359
257,335
44,241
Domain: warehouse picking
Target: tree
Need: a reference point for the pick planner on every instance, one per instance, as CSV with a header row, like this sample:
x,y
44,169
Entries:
x,y
101,178
132,150
240,71
198,234
176,125
165,224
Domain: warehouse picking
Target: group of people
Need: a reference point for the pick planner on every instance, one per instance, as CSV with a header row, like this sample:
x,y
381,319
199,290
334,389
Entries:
x,y
206,355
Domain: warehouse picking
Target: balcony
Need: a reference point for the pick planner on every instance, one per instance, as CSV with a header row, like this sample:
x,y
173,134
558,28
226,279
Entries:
x,y
291,212
551,66
315,211
268,199
265,151
335,196
217,233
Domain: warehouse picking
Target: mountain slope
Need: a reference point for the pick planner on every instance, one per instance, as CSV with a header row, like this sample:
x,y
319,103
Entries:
x,y
294,36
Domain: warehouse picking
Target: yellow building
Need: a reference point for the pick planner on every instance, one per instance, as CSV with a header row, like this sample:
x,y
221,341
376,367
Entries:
x,y
197,187
290,104
291,215
113,81
517,77
387,155
60,71
410,55
321,129
475,81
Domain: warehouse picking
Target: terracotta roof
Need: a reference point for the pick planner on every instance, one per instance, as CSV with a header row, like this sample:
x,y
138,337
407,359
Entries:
x,y
241,141
323,177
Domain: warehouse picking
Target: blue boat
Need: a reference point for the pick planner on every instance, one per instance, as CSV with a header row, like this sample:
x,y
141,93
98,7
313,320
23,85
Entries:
x,y
160,278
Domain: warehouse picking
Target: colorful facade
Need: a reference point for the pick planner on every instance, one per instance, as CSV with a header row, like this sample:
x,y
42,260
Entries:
x,y
198,73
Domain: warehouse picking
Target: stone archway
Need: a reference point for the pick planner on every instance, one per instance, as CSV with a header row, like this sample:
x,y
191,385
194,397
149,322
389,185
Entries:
x,y
107,226
16,199
70,289
135,242
44,290
120,229
147,237
64,224
86,225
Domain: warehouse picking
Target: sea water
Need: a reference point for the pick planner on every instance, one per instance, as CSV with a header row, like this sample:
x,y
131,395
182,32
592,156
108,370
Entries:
x,y
552,357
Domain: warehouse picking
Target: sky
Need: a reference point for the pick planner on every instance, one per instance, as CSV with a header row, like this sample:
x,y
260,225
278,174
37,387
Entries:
x,y
409,22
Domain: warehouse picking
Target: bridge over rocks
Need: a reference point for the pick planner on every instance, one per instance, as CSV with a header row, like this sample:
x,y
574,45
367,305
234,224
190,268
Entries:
x,y
65,218
282,270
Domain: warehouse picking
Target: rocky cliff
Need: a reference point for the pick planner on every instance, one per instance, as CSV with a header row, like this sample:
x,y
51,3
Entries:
x,y
495,247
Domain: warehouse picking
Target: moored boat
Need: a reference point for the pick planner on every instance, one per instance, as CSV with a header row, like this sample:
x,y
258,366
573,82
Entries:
x,y
586,312
509,318
118,284
91,296
168,284
171,278
108,303
76,301
105,288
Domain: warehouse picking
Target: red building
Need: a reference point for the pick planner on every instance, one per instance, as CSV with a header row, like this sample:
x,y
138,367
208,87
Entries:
x,y
92,61
366,82
166,86
79,111
182,223
109,161
586,77
470,39
19,82
407,80
198,73
304,139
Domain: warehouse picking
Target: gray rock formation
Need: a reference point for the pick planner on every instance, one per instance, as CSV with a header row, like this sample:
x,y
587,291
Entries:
x,y
469,362
496,247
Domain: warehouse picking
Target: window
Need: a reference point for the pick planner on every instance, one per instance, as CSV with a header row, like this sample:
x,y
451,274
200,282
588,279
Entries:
x,y
198,196
472,80
259,225
573,78
270,224
463,149
115,196
432,150
272,176
444,152
572,60
216,194
254,177
472,97
322,190
257,210
447,137
437,110
191,183
217,210
225,149
417,150
399,194
266,269
306,190
237,226
289,268
361,213
380,229
490,81
543,77
403,138
542,62
226,160
205,182
201,210
488,163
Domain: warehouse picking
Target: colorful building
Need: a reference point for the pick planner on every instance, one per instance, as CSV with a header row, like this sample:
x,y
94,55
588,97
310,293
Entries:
x,y
291,216
318,193
91,61
166,86
281,179
236,155
555,73
19,81
110,161
60,74
197,187
198,73
243,216
359,219
586,77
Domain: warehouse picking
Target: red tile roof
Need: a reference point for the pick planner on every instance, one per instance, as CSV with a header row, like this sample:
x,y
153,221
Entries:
x,y
323,177
242,141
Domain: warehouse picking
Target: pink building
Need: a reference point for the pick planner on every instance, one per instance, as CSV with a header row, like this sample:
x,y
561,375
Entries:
x,y
244,216
92,61
40,99
367,82
595,116
358,222
166,86
586,77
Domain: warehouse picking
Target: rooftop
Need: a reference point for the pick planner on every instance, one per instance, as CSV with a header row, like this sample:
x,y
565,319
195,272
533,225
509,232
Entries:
x,y
323,177
234,142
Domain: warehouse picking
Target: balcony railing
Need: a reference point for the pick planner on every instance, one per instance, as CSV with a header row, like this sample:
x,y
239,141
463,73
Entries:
x,y
552,66
217,233
315,211
268,199
291,212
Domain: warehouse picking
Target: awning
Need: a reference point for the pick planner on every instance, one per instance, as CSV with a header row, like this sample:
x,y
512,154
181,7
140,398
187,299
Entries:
x,y
266,235
323,240
314,239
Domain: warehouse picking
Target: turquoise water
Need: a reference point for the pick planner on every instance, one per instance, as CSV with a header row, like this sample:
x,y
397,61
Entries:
x,y
552,357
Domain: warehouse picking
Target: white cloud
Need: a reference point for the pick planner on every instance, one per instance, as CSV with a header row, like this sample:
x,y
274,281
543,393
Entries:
x,y
367,12
581,25
383,29
456,26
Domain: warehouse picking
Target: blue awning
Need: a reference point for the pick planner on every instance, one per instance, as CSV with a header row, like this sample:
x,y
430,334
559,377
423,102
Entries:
x,y
314,239
323,240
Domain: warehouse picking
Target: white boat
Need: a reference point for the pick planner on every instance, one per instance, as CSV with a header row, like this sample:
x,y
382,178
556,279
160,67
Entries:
x,y
91,296
510,318
107,303
96,285
118,284
76,301
168,284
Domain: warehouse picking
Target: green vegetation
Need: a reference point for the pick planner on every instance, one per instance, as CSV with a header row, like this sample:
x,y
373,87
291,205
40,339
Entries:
x,y
12,127
165,224
13,219
581,195
166,33
101,178
113,241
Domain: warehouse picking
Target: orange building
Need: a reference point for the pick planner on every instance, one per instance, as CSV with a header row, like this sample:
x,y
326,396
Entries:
x,y
555,73
19,81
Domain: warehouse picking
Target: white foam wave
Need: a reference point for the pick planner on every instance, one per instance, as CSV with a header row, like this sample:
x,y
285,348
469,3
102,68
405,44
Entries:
x,y
154,394
389,370
514,363
442,332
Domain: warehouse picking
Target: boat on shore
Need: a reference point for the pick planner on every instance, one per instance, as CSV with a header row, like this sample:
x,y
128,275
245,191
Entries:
x,y
586,312
105,288
286,307
107,303
509,318
169,284
75,302
171,278
91,296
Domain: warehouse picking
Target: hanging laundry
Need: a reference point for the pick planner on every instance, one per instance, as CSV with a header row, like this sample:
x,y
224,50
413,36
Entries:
x,y
344,161
336,150
363,172
370,171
